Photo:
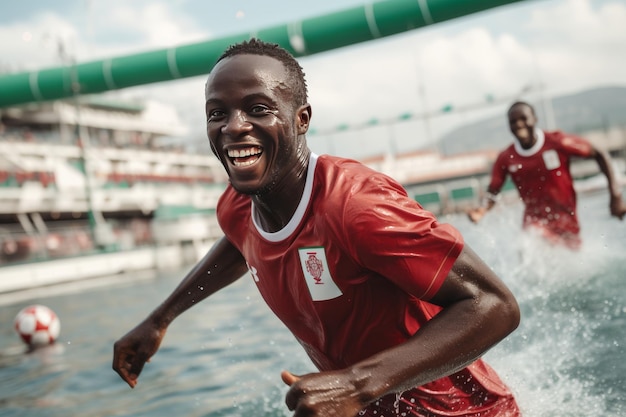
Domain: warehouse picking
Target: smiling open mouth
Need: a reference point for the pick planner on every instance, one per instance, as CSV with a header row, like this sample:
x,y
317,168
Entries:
x,y
523,133
244,156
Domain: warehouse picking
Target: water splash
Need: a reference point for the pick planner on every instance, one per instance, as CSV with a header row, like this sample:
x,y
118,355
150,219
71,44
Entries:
x,y
564,359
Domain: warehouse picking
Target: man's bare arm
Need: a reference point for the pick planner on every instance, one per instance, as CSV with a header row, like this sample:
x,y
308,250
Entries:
x,y
478,312
221,266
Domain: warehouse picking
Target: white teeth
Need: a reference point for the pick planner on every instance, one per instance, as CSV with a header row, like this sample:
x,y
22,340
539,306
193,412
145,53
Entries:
x,y
242,157
245,163
241,153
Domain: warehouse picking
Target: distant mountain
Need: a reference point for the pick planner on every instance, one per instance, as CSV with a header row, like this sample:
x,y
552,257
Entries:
x,y
593,109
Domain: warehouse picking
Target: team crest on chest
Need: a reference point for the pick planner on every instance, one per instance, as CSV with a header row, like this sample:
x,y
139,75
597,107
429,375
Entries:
x,y
551,159
317,275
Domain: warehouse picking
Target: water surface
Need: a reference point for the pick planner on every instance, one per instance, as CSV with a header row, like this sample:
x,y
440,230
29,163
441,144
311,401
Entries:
x,y
224,356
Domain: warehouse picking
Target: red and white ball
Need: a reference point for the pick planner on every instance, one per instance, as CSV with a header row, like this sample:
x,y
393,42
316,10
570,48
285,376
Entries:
x,y
37,325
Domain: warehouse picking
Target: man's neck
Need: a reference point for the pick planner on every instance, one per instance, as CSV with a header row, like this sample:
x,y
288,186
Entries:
x,y
276,208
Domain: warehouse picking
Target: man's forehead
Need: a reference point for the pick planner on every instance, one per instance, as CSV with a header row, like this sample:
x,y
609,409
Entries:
x,y
248,69
521,108
250,63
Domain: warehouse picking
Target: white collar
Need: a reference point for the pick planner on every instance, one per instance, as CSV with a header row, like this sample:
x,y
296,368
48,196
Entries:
x,y
297,215
541,139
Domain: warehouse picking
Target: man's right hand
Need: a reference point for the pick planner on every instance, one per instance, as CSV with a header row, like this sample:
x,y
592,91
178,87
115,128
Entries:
x,y
617,207
476,214
133,350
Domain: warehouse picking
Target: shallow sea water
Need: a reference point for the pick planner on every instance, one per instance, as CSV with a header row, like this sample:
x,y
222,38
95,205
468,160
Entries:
x,y
224,356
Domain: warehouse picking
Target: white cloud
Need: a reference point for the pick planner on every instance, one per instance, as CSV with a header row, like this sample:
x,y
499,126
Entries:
x,y
157,23
34,44
106,29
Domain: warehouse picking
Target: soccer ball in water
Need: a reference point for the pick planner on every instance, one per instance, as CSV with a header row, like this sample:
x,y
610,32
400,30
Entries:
x,y
37,325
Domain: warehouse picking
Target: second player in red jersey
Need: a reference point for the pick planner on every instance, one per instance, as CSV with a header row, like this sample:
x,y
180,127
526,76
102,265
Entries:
x,y
538,163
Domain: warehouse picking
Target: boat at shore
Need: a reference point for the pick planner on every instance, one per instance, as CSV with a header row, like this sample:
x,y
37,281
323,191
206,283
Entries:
x,y
96,187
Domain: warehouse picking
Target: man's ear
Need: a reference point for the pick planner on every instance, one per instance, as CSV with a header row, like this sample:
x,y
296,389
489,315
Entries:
x,y
304,118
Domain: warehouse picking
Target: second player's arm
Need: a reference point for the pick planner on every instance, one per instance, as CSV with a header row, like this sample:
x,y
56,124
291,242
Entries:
x,y
618,209
489,201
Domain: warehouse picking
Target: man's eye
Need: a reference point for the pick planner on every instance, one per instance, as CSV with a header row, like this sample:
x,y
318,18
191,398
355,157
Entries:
x,y
260,109
215,114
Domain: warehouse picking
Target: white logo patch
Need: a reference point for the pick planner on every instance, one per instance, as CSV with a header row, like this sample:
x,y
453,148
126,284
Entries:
x,y
317,275
551,159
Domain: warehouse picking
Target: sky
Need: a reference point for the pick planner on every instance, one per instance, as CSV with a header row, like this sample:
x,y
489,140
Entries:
x,y
476,65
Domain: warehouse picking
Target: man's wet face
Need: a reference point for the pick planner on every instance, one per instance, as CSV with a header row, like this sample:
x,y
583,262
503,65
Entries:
x,y
250,120
522,122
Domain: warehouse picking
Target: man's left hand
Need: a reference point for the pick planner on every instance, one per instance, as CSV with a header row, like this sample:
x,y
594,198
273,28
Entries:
x,y
618,208
323,394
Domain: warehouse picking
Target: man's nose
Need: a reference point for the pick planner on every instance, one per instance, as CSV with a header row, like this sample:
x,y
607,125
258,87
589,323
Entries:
x,y
236,123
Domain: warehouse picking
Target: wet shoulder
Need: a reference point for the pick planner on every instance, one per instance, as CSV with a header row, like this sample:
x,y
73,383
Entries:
x,y
568,143
352,192
506,154
344,179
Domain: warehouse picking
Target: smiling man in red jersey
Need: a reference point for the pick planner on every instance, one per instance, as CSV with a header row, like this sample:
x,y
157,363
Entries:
x,y
539,165
392,307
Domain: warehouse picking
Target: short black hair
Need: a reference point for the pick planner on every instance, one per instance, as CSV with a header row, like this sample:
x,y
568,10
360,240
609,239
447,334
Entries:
x,y
256,46
521,103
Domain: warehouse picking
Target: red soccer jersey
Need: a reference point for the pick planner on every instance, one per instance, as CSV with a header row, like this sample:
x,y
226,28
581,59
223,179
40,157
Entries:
x,y
350,273
544,182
